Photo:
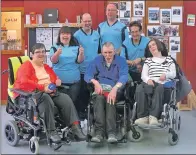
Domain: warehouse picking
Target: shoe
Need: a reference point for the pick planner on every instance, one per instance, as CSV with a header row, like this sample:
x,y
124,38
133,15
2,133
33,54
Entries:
x,y
77,132
143,120
97,139
112,138
153,120
53,135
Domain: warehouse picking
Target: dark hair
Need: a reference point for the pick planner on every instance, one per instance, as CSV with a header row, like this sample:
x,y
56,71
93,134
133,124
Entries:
x,y
37,46
136,23
66,29
160,46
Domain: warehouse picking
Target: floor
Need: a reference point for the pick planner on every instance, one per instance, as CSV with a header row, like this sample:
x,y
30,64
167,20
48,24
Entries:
x,y
154,142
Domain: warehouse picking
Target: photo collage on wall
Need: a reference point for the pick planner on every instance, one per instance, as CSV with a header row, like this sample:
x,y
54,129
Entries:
x,y
160,26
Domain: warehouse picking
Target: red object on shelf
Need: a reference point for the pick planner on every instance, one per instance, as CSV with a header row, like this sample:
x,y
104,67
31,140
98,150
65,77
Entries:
x,y
33,17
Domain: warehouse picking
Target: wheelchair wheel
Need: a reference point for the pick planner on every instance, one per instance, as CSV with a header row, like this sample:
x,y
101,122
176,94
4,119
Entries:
x,y
136,134
173,138
12,133
34,145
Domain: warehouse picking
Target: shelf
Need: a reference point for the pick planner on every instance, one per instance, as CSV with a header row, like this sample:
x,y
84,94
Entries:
x,y
52,25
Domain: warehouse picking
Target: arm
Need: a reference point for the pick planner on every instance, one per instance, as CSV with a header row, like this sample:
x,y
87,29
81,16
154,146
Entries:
x,y
123,72
171,74
54,54
80,56
145,76
90,72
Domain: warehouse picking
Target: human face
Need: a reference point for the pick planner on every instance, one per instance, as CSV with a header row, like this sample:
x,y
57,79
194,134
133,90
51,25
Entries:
x,y
108,53
111,12
153,48
135,32
65,38
39,55
86,22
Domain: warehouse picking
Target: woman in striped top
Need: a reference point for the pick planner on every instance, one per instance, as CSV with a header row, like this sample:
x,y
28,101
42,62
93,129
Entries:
x,y
157,70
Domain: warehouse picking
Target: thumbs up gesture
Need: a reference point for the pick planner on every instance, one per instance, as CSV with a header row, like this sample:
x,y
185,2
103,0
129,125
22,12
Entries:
x,y
81,50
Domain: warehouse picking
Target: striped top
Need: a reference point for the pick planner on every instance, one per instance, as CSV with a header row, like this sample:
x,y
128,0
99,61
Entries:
x,y
154,67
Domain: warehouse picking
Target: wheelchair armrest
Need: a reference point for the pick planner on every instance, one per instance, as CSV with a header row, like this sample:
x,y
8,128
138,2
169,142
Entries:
x,y
21,92
27,94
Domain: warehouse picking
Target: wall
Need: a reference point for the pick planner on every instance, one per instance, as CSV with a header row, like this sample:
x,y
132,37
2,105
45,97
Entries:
x,y
67,9
189,55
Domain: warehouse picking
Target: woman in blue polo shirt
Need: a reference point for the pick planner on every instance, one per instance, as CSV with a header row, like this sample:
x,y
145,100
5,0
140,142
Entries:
x,y
66,56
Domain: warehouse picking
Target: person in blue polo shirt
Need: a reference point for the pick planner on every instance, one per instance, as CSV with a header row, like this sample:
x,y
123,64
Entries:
x,y
66,56
89,39
108,73
133,50
112,30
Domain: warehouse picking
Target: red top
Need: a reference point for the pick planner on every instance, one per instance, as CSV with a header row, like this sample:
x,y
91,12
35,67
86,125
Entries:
x,y
26,79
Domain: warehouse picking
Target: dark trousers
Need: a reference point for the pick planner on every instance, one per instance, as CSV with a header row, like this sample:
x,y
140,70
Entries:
x,y
135,76
65,105
105,114
73,91
144,108
84,95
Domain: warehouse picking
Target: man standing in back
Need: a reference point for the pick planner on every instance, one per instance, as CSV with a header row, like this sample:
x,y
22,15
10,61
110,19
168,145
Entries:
x,y
112,30
89,40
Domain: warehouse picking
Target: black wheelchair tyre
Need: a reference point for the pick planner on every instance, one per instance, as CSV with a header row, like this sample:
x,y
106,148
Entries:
x,y
11,132
34,146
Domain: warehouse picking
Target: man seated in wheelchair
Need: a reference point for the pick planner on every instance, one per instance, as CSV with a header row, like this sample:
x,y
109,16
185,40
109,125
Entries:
x,y
34,75
108,73
157,71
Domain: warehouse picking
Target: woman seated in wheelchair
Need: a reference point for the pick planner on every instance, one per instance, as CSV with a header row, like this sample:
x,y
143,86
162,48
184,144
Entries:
x,y
157,70
108,73
34,75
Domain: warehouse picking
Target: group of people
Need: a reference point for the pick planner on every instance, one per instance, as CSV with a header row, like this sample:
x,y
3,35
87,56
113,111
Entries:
x,y
107,58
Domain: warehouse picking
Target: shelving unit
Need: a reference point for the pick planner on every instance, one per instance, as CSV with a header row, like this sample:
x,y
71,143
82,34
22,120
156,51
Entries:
x,y
52,25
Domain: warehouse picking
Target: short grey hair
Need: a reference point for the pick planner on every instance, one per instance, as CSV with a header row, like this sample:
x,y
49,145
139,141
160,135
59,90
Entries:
x,y
37,46
108,44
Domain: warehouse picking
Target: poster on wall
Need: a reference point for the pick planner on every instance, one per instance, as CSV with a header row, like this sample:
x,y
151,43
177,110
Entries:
x,y
138,8
125,9
191,20
153,15
44,35
176,14
165,16
139,19
55,32
174,44
163,30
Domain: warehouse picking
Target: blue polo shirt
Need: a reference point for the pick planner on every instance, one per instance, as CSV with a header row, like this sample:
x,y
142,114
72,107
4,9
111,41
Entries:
x,y
67,69
115,33
90,43
132,51
117,72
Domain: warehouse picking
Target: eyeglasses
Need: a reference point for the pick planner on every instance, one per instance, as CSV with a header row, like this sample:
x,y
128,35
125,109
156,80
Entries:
x,y
40,52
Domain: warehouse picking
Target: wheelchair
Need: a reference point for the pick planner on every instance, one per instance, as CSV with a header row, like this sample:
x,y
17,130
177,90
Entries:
x,y
27,125
170,117
122,118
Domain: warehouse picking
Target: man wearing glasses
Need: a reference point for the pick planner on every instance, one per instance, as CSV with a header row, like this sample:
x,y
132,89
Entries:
x,y
112,30
133,50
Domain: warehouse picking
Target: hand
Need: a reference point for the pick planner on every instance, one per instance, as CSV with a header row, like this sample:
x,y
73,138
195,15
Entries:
x,y
112,96
130,63
58,82
98,88
137,61
46,90
150,82
59,51
81,50
162,77
139,68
